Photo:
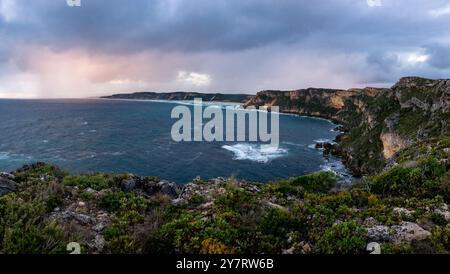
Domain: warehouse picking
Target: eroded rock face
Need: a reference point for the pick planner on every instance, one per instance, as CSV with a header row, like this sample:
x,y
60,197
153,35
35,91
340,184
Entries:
x,y
392,143
7,185
150,187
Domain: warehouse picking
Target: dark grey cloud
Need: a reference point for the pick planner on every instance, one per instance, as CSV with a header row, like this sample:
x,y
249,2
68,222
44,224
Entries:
x,y
227,25
359,43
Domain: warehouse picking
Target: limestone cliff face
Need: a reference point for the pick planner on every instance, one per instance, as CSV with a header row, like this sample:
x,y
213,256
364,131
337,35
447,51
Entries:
x,y
379,122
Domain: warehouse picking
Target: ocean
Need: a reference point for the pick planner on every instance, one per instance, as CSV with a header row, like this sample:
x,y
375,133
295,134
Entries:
x,y
94,135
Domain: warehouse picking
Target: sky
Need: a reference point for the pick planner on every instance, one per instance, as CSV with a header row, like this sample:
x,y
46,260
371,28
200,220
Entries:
x,y
51,50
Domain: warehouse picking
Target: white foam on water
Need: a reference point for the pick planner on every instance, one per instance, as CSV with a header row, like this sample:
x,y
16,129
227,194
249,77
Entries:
x,y
324,141
255,153
337,167
312,146
4,156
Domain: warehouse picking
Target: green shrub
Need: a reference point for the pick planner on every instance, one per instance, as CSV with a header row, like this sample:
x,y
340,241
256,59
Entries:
x,y
423,181
185,233
34,239
441,238
22,230
237,200
115,201
96,182
343,238
37,170
277,222
321,182
396,249
124,244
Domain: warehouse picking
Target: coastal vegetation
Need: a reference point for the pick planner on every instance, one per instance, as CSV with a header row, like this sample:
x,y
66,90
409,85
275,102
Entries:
x,y
404,209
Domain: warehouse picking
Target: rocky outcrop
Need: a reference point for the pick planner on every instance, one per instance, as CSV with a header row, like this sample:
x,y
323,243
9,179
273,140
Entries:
x,y
7,185
378,122
405,232
150,186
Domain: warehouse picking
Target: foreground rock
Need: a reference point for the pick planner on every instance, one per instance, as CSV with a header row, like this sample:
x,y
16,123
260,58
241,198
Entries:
x,y
150,186
7,185
405,232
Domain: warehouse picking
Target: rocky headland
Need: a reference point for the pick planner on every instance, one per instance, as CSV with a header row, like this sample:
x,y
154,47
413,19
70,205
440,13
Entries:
x,y
377,122
182,96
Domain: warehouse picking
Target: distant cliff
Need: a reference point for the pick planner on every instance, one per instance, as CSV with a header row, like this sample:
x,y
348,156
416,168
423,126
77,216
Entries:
x,y
378,122
183,96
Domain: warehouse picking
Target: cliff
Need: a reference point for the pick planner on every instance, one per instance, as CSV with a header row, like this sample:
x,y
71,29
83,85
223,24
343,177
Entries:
x,y
378,122
182,96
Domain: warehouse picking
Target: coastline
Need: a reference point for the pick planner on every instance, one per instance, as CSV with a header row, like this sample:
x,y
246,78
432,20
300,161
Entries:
x,y
347,175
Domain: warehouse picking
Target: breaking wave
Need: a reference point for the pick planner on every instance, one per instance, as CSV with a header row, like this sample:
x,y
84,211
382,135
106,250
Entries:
x,y
255,153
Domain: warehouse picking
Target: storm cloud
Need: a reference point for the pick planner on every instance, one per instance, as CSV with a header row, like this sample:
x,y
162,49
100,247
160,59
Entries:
x,y
48,49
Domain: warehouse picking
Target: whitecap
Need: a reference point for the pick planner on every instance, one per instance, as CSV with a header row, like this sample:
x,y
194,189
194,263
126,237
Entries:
x,y
4,156
255,153
312,146
337,167
324,141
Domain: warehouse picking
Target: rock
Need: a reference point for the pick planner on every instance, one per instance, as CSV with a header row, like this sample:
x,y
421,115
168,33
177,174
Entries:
x,y
289,251
408,232
99,227
253,188
169,189
99,243
79,217
151,189
90,190
443,211
7,176
7,185
403,211
303,248
275,206
128,185
370,222
379,233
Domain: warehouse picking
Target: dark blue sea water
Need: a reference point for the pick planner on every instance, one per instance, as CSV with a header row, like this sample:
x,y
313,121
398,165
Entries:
x,y
134,136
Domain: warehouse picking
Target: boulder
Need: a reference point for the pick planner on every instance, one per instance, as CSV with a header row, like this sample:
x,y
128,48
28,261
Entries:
x,y
128,185
82,219
443,212
408,232
379,233
7,185
405,232
403,211
169,189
